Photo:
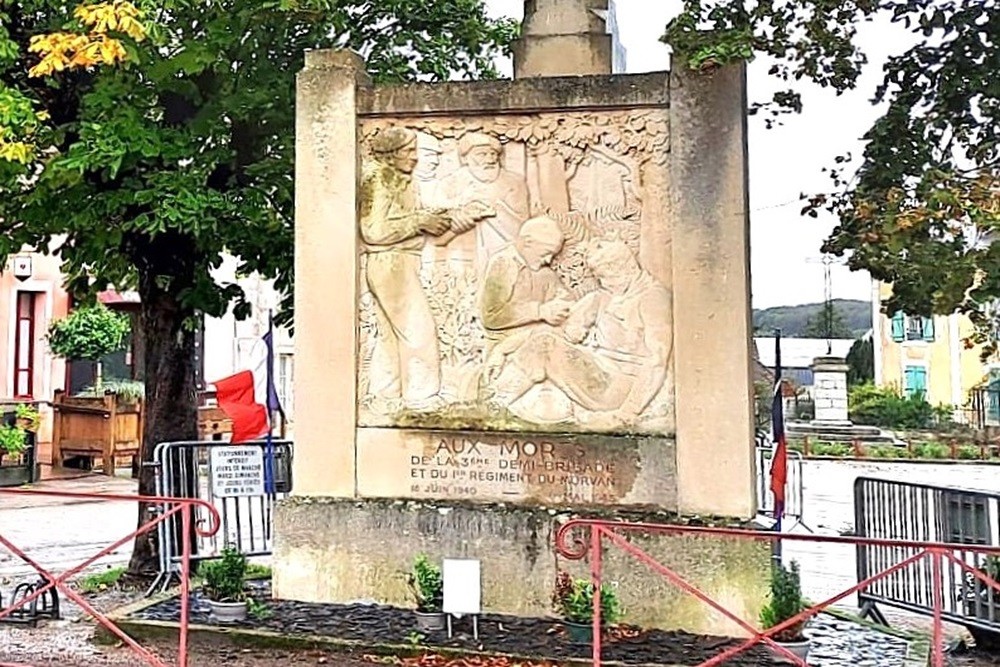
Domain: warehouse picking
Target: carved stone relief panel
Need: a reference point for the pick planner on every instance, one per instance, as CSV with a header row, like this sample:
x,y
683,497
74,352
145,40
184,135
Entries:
x,y
501,282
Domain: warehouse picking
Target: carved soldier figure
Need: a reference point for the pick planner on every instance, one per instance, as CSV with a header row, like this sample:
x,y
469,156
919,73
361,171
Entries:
x,y
483,179
609,355
394,230
521,296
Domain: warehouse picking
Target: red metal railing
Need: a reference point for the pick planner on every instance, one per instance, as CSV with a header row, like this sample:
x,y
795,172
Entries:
x,y
171,507
574,543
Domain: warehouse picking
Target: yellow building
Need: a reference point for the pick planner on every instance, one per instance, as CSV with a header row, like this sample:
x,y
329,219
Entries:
x,y
927,355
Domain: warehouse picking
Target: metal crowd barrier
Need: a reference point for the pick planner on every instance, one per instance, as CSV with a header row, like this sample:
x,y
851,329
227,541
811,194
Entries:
x,y
601,542
183,470
794,489
891,510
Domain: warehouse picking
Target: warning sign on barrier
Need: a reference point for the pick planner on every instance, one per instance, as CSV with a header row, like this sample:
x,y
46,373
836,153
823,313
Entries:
x,y
237,472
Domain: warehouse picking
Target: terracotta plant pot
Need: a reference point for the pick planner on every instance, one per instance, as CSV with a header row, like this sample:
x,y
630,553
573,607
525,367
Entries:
x,y
430,622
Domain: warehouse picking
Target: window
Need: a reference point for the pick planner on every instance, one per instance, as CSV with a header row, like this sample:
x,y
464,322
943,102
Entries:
x,y
24,346
285,378
915,380
909,327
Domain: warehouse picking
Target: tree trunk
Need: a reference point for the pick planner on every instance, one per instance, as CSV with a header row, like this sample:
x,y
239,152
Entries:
x,y
171,403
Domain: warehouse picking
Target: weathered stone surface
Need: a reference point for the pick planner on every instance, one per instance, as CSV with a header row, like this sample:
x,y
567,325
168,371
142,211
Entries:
x,y
624,194
525,96
325,255
503,283
830,380
710,245
329,550
562,37
513,467
554,148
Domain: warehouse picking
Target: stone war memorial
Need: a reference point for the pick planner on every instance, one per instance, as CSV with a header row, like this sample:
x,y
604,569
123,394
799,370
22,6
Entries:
x,y
519,302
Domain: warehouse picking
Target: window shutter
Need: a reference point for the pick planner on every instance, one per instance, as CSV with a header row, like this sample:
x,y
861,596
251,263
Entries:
x,y
898,327
928,325
915,380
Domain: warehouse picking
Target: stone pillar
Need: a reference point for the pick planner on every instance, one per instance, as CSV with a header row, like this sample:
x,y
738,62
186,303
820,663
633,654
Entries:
x,y
326,271
563,38
830,391
712,321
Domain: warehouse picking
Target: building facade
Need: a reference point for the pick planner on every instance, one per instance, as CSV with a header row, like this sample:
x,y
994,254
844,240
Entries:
x,y
927,355
31,297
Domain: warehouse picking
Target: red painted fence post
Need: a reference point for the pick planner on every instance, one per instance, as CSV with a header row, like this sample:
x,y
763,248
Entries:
x,y
595,577
938,648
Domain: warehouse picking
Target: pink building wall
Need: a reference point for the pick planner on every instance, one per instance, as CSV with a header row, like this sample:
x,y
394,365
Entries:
x,y
50,302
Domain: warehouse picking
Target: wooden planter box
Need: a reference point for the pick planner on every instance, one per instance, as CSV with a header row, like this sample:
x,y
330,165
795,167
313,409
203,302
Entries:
x,y
105,428
213,424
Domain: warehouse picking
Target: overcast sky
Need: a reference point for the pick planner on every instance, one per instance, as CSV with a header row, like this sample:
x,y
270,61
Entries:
x,y
784,161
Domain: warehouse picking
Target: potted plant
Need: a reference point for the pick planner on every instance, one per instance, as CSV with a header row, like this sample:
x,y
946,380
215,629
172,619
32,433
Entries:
x,y
225,582
574,601
27,418
13,441
89,334
427,584
784,604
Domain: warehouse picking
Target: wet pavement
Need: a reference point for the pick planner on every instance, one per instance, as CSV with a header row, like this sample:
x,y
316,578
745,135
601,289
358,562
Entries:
x,y
829,510
60,533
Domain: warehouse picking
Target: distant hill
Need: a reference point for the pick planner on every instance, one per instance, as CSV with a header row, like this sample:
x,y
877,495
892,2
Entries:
x,y
794,320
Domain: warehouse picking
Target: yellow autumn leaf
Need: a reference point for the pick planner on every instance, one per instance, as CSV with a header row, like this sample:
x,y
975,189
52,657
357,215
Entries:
x,y
16,151
114,16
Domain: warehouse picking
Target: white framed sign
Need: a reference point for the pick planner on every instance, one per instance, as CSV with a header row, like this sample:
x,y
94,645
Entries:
x,y
237,472
22,266
462,587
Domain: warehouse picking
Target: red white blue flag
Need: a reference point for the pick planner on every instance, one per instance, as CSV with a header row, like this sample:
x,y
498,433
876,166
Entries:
x,y
249,397
779,462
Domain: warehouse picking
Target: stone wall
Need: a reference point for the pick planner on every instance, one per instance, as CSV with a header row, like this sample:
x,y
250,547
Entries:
x,y
344,550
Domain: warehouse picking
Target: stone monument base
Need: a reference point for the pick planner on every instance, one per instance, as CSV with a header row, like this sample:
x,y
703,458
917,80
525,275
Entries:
x,y
344,550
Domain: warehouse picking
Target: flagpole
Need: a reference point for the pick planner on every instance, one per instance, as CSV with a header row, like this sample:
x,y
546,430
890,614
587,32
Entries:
x,y
775,437
269,442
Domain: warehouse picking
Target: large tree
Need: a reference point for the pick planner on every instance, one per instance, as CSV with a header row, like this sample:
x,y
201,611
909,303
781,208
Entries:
x,y
921,207
149,139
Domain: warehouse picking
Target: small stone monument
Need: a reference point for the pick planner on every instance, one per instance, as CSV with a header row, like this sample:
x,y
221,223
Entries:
x,y
830,391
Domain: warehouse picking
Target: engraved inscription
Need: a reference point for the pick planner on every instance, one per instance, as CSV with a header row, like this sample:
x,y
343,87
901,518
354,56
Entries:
x,y
471,468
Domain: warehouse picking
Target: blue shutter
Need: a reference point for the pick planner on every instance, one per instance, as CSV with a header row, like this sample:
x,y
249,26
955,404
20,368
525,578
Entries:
x,y
928,326
915,380
898,327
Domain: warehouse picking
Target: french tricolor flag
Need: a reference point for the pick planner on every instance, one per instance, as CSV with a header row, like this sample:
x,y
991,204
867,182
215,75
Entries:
x,y
249,397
